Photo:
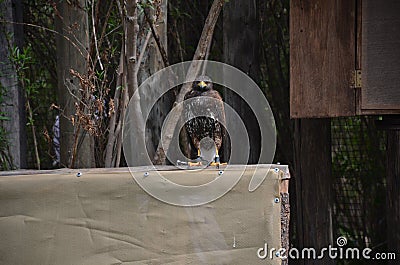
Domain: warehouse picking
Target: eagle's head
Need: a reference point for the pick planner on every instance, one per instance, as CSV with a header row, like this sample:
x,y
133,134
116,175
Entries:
x,y
202,83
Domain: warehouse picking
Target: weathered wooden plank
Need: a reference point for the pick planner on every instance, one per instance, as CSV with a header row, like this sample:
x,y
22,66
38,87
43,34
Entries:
x,y
285,220
322,57
381,54
376,111
358,54
242,50
313,186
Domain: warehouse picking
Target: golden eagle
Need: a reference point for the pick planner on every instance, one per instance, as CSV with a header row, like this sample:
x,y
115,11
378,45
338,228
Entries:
x,y
204,120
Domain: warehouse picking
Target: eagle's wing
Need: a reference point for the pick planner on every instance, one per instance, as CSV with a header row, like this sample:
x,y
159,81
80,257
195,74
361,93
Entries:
x,y
189,112
219,117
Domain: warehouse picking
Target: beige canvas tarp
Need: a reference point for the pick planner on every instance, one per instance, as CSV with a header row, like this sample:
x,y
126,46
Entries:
x,y
104,217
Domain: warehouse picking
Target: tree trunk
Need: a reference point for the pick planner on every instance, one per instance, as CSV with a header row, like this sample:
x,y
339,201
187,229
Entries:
x,y
313,178
152,63
72,53
13,107
242,50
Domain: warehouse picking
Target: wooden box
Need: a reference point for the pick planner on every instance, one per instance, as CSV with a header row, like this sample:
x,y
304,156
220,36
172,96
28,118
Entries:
x,y
344,58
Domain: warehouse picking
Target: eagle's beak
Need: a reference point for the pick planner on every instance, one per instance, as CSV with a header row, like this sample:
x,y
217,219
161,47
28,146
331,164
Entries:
x,y
202,84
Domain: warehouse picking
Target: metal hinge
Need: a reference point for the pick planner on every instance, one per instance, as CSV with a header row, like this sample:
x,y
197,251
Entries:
x,y
356,79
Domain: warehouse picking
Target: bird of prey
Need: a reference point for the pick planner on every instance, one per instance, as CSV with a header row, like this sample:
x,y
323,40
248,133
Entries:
x,y
204,118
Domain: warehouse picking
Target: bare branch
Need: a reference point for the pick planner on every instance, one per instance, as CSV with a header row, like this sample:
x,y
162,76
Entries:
x,y
142,52
95,38
160,46
112,131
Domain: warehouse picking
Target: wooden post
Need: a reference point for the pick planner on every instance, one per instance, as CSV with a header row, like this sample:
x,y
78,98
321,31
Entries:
x,y
242,50
13,105
322,58
285,216
313,179
393,192
72,44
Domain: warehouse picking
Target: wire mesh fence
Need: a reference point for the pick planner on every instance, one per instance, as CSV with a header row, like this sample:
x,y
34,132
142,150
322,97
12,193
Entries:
x,y
358,159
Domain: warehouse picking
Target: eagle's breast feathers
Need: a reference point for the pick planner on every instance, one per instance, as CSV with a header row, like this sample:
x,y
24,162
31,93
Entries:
x,y
204,117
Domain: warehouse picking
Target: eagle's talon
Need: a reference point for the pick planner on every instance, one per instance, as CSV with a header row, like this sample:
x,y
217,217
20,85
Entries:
x,y
195,164
218,164
217,161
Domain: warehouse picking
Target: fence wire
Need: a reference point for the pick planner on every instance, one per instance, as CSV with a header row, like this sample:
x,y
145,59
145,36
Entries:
x,y
358,162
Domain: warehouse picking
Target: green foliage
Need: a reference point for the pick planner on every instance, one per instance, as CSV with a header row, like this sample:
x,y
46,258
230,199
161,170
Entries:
x,y
23,61
5,157
36,72
3,115
145,4
40,83
177,13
